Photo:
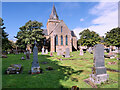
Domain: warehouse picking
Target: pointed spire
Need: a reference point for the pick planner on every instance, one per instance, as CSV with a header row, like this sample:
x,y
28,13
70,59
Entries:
x,y
54,15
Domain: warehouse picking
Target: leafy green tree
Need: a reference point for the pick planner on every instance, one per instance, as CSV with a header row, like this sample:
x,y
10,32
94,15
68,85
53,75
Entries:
x,y
4,37
113,37
88,38
28,33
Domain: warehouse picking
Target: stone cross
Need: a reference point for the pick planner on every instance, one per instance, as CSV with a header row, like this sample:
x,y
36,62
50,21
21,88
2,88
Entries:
x,y
98,71
35,65
67,53
81,51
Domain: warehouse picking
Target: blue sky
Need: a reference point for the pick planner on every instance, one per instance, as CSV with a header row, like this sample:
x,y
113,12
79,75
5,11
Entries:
x,y
76,15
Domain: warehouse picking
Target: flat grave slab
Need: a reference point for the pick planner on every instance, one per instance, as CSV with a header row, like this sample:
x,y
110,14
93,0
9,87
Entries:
x,y
14,69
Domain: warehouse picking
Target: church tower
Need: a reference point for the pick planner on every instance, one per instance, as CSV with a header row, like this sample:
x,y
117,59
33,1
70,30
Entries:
x,y
59,35
52,21
54,15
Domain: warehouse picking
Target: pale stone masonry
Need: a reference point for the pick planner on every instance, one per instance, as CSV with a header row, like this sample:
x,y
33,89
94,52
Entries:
x,y
60,36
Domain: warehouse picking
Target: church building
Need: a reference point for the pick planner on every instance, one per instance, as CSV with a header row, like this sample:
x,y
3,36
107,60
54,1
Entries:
x,y
58,34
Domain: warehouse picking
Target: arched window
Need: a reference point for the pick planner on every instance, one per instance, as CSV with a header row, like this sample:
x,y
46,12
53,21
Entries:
x,y
61,40
56,38
66,40
61,28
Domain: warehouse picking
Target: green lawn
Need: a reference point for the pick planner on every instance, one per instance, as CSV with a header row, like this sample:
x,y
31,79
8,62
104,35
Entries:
x,y
60,77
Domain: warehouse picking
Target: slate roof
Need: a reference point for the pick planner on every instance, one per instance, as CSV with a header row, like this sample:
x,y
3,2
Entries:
x,y
45,32
54,15
73,34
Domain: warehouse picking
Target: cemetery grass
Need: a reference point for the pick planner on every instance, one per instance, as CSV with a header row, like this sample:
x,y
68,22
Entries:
x,y
66,73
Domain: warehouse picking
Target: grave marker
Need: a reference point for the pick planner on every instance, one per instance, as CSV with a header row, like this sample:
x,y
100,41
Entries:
x,y
99,71
67,53
35,69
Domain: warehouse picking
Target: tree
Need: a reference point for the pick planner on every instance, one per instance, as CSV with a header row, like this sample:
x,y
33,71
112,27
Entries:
x,y
113,37
5,42
28,33
88,38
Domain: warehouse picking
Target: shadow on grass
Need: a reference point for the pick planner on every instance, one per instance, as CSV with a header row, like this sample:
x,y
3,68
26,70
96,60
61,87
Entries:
x,y
48,79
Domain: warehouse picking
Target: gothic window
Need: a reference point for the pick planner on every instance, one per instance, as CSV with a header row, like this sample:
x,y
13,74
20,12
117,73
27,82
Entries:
x,y
66,40
61,28
61,40
56,38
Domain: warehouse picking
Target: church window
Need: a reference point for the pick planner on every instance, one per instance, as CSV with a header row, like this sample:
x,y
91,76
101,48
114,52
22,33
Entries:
x,y
61,40
56,40
61,28
66,40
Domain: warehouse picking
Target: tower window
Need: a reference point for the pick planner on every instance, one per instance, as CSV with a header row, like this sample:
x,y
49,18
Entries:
x,y
61,28
61,40
66,40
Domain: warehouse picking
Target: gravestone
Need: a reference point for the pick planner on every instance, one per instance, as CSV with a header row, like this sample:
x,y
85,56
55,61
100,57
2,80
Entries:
x,y
59,52
22,58
35,69
4,56
90,50
27,55
67,53
51,54
46,51
99,71
15,52
43,51
14,69
81,51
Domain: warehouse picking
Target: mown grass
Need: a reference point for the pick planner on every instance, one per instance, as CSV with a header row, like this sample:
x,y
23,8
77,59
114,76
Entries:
x,y
60,77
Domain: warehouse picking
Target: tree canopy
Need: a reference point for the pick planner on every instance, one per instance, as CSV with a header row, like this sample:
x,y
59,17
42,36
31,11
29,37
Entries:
x,y
113,37
28,33
88,38
5,42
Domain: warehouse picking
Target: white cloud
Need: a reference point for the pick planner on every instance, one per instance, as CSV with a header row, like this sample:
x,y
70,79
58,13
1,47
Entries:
x,y
107,19
81,19
77,31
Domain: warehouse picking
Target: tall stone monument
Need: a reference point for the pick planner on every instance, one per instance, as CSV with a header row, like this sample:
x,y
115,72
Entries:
x,y
35,69
99,71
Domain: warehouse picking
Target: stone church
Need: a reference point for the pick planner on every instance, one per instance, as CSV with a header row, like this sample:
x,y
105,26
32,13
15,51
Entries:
x,y
59,35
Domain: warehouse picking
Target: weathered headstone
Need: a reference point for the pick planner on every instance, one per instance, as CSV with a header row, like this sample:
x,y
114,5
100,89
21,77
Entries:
x,y
46,51
59,52
22,58
35,69
27,55
4,56
67,53
14,69
81,51
43,51
99,71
